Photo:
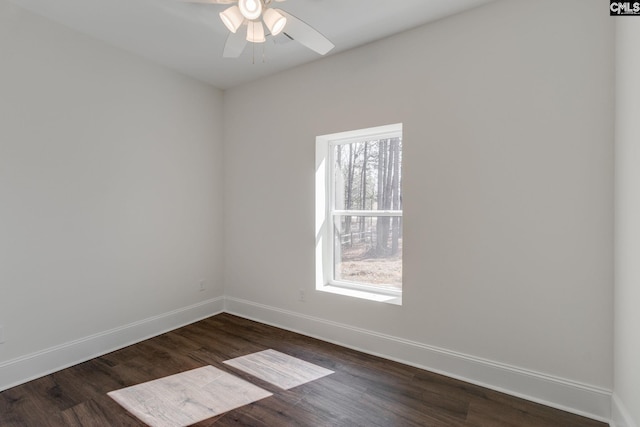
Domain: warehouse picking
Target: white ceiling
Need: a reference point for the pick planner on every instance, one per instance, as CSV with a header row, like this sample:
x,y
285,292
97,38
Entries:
x,y
190,37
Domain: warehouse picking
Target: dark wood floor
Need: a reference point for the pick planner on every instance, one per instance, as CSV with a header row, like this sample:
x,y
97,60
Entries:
x,y
363,391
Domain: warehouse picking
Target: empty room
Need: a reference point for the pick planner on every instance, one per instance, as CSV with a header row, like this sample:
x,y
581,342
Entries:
x,y
319,213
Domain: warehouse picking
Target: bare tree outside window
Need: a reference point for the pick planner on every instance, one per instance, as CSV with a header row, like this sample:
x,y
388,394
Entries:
x,y
367,213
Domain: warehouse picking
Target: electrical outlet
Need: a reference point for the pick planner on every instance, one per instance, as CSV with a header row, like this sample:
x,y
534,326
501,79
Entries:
x,y
1,334
301,295
202,286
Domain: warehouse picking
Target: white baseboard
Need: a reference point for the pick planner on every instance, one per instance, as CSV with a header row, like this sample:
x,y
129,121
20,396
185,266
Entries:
x,y
36,365
570,396
620,416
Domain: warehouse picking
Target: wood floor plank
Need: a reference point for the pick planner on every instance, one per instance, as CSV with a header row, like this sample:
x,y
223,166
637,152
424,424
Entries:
x,y
19,408
364,390
92,413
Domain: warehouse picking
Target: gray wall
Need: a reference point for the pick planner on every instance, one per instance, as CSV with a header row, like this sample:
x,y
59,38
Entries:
x,y
508,185
627,294
110,187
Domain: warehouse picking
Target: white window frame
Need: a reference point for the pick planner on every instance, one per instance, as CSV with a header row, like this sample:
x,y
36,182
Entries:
x,y
326,212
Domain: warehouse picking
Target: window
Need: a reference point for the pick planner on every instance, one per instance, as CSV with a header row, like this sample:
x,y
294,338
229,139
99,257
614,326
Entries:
x,y
359,213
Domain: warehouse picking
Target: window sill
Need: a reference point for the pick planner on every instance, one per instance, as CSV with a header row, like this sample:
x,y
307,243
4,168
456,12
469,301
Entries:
x,y
371,296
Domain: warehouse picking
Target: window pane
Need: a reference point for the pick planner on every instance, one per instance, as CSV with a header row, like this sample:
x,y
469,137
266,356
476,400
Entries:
x,y
368,175
368,250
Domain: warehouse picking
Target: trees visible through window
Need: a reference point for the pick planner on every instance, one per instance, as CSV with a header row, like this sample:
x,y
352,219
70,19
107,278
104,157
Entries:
x,y
364,210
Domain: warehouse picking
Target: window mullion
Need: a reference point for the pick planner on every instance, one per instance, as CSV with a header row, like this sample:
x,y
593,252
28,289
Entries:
x,y
352,212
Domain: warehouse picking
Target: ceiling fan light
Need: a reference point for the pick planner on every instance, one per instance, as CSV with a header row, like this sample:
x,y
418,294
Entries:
x,y
250,9
232,18
275,21
255,32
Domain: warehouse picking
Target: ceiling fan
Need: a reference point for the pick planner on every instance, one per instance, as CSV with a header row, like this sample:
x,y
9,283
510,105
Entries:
x,y
245,23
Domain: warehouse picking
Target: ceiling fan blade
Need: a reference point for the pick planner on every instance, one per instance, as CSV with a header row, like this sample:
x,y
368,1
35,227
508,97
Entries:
x,y
305,34
236,43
